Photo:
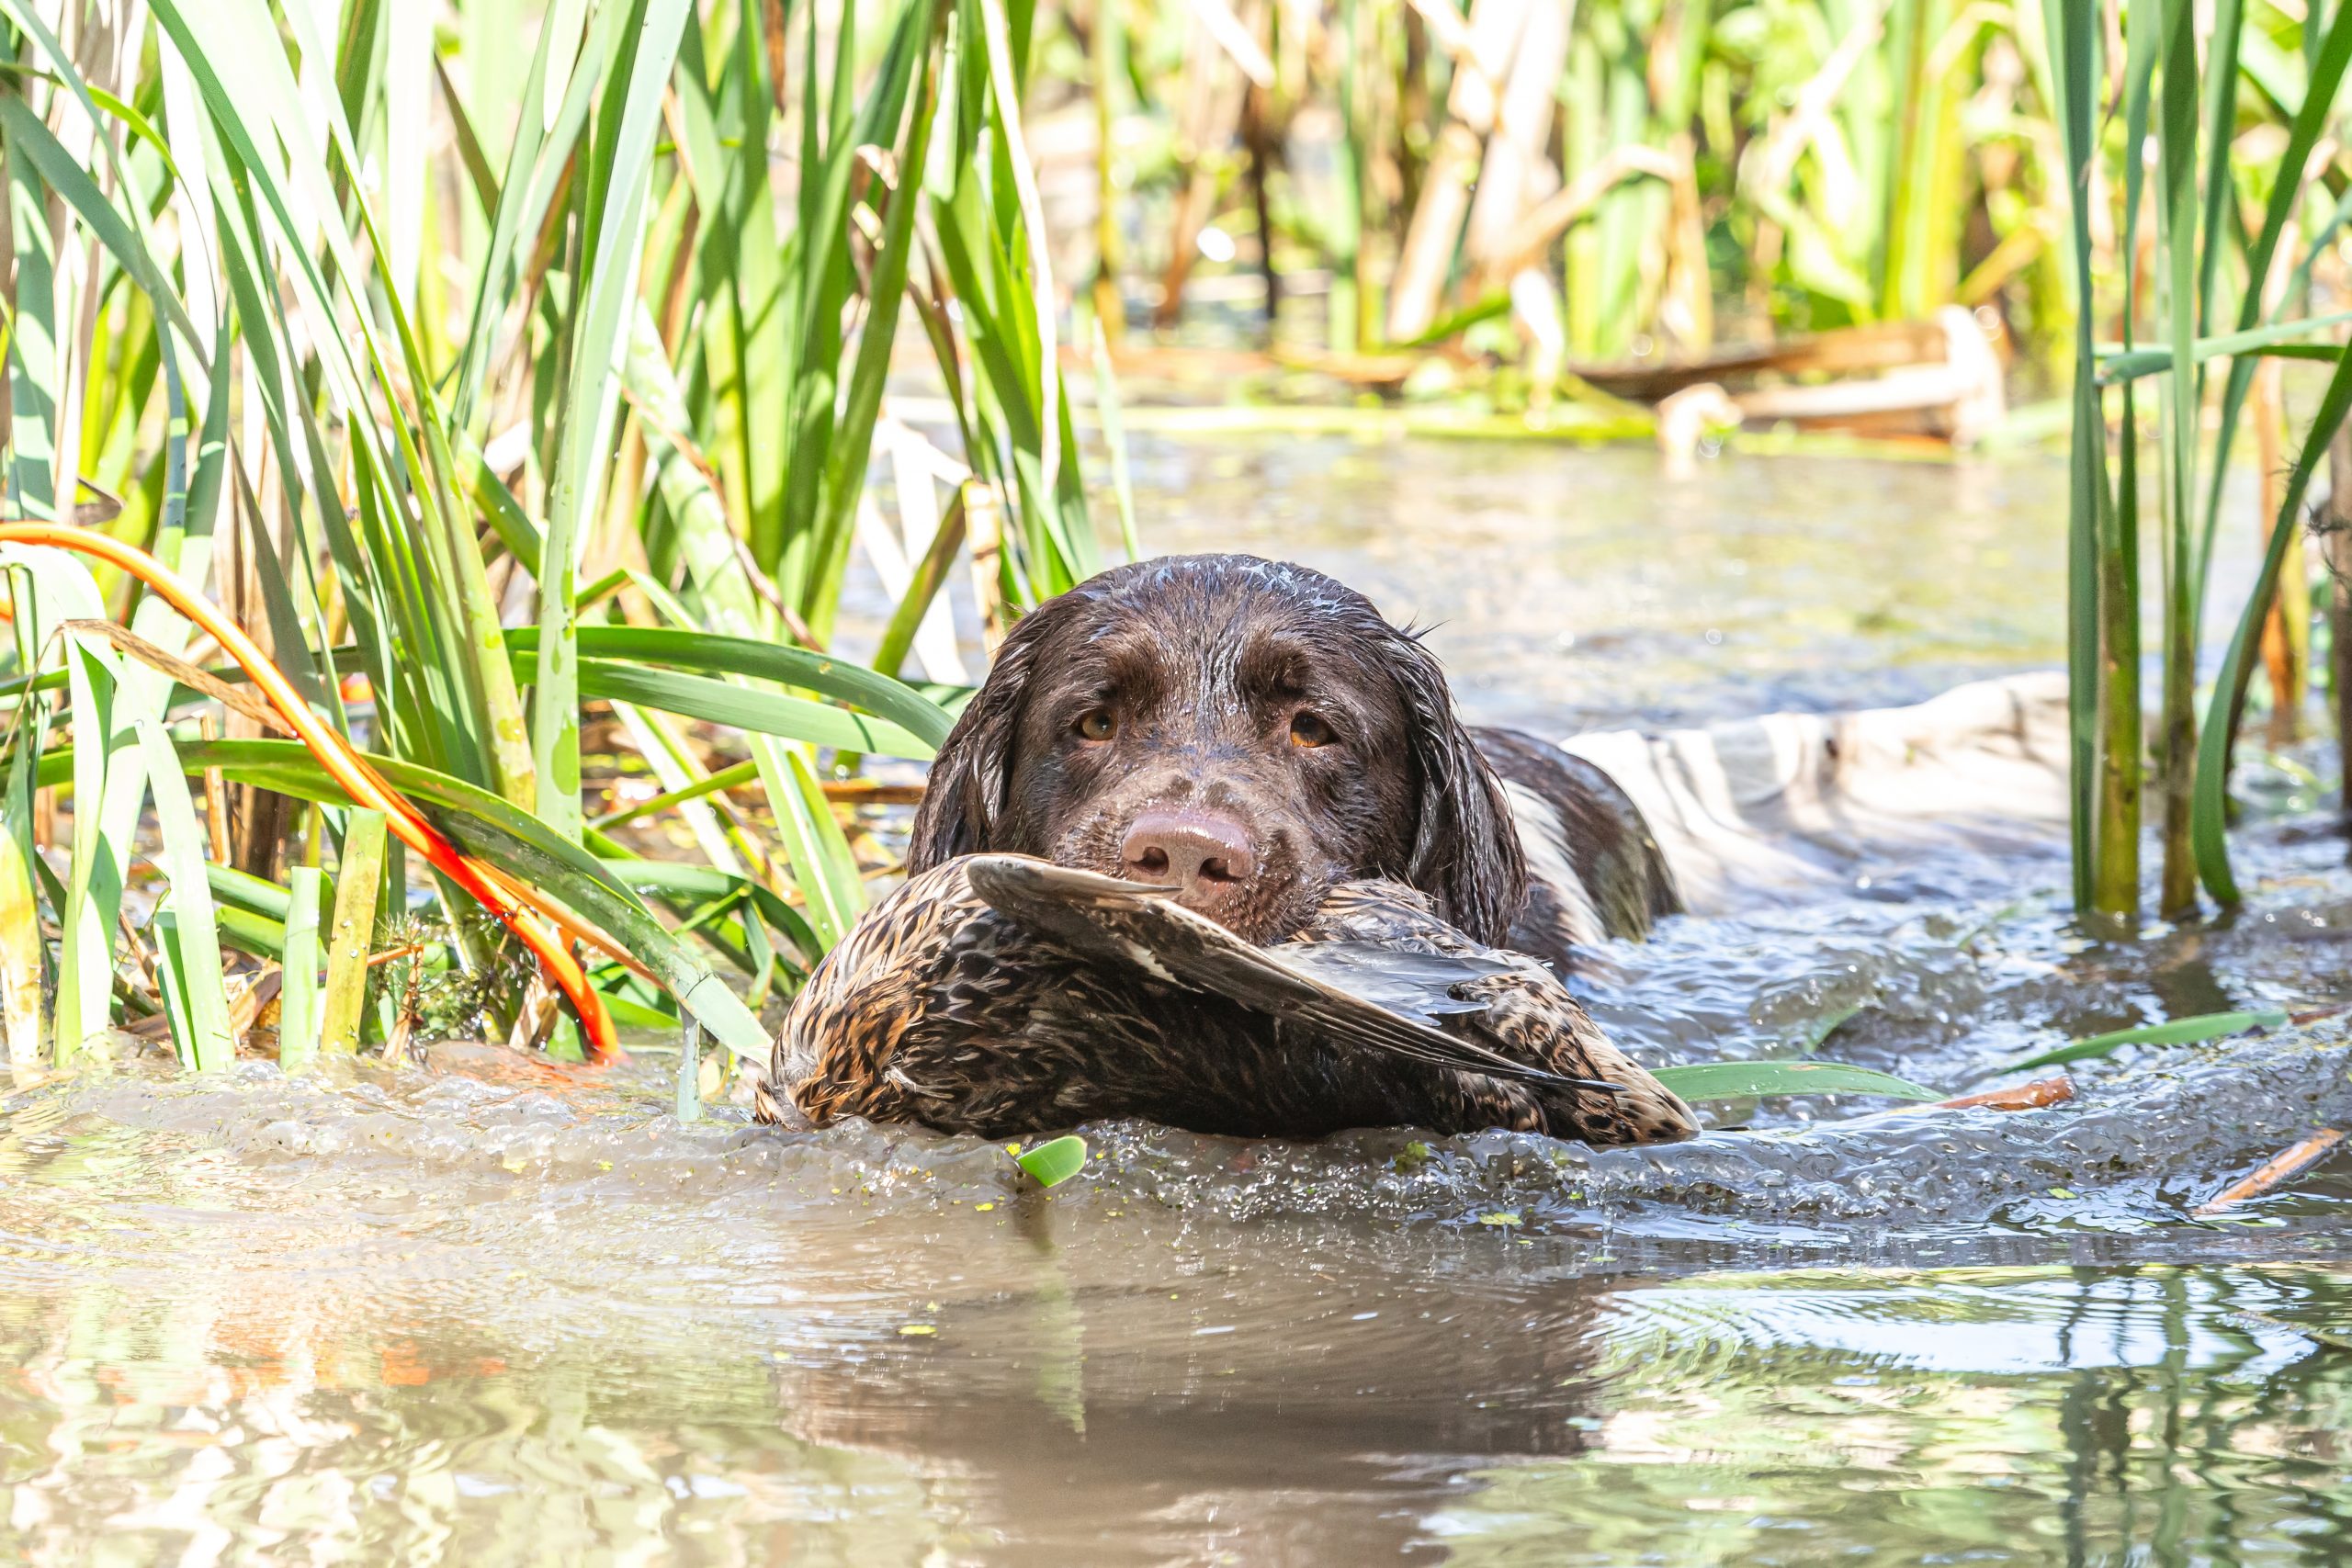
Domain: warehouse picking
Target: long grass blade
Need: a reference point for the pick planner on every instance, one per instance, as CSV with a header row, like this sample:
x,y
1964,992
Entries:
x,y
629,122
822,860
192,959
2210,823
298,1012
711,653
357,886
2173,1032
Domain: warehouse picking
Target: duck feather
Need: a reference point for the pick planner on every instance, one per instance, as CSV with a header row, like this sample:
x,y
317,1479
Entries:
x,y
1351,990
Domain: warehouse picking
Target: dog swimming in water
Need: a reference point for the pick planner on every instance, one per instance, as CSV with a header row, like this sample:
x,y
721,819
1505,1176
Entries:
x,y
1211,846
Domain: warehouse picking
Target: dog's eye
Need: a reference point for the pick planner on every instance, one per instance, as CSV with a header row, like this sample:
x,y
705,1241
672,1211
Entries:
x,y
1098,724
1308,729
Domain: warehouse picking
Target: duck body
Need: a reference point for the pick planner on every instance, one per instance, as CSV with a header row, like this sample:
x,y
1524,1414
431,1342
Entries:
x,y
1095,999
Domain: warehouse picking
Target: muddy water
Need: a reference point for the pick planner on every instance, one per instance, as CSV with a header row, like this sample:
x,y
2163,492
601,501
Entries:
x,y
491,1311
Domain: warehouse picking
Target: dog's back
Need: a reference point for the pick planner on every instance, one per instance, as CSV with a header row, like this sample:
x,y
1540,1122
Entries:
x,y
1594,871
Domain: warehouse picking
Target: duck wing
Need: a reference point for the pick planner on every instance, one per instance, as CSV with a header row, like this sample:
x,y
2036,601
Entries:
x,y
1132,923
1419,986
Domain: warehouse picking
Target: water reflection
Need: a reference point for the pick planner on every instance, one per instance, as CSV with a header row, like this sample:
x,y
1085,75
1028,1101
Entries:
x,y
1582,591
1574,587
2078,1417
1144,1397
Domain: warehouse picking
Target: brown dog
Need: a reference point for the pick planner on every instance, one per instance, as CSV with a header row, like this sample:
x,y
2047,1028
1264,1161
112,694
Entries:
x,y
1255,734
1255,738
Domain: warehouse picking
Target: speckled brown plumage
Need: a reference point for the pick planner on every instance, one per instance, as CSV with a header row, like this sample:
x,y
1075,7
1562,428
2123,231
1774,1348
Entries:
x,y
944,1009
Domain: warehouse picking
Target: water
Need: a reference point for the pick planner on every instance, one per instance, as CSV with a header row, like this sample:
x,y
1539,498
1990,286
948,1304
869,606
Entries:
x,y
497,1311
1591,591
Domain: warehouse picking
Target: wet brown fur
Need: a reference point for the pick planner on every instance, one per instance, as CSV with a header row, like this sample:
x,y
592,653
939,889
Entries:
x,y
1203,663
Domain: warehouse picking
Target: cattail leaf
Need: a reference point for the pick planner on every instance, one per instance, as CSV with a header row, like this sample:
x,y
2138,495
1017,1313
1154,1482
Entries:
x,y
200,1020
2173,1032
1741,1080
925,721
299,993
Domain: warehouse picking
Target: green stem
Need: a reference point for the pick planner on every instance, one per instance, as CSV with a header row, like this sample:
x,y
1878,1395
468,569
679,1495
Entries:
x,y
356,887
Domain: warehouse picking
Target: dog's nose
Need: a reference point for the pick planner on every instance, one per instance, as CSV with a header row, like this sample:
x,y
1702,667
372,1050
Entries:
x,y
1205,856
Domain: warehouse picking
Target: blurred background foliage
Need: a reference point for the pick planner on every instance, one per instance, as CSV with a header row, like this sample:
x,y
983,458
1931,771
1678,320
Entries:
x,y
1673,172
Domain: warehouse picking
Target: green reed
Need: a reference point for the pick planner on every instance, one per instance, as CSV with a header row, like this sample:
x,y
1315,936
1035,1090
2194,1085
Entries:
x,y
507,380
2218,287
530,372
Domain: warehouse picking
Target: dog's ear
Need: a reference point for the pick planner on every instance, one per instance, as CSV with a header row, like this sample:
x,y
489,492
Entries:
x,y
1466,852
969,778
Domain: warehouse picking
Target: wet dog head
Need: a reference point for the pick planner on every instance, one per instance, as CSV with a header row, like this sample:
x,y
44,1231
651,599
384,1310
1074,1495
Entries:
x,y
1248,732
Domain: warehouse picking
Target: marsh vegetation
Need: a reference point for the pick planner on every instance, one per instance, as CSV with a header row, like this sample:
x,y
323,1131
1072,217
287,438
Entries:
x,y
514,385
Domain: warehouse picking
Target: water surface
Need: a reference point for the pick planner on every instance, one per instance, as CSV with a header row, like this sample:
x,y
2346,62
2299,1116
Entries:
x,y
490,1310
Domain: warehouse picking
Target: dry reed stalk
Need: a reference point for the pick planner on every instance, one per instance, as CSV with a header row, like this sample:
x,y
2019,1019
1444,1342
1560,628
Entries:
x,y
1237,37
1471,106
257,817
1110,308
1551,218
868,792
2038,1095
1517,169
216,803
1214,91
984,532
2281,1168
1261,140
2033,1096
1687,300
2286,630
2336,551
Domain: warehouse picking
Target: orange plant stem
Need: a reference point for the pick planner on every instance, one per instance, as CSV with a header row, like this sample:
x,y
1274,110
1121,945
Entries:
x,y
2034,1096
2285,1166
350,770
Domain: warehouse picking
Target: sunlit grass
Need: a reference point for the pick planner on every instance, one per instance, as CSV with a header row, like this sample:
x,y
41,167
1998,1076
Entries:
x,y
491,383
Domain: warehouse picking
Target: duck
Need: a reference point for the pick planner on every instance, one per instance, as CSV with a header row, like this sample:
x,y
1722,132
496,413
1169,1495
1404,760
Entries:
x,y
1001,995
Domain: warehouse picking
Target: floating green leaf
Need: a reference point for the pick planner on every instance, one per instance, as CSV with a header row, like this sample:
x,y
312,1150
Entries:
x,y
2176,1031
1739,1081
1051,1164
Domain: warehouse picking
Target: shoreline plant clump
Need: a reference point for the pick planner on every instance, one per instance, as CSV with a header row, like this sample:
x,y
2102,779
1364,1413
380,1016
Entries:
x,y
524,429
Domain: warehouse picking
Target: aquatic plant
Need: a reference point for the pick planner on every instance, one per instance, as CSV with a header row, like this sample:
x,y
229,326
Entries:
x,y
1599,174
1051,1163
2220,281
1738,1080
2173,1032
502,399
513,388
